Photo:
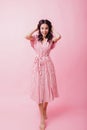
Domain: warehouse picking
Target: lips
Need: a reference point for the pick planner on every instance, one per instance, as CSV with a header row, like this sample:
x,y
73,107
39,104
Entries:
x,y
44,34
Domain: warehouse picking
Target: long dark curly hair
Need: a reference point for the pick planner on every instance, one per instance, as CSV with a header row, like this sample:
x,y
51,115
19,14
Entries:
x,y
49,36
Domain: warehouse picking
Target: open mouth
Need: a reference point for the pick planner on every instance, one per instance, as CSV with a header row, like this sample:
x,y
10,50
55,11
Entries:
x,y
44,34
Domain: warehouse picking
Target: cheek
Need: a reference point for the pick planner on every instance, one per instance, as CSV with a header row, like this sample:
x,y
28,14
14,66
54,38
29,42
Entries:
x,y
47,31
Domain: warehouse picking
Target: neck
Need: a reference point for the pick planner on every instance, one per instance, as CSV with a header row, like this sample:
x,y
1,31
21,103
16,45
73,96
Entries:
x,y
44,38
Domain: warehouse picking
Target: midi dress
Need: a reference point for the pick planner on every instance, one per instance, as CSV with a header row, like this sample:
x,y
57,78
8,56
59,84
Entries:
x,y
43,79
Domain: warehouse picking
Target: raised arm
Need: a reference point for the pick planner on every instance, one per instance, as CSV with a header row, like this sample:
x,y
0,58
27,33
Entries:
x,y
30,35
56,37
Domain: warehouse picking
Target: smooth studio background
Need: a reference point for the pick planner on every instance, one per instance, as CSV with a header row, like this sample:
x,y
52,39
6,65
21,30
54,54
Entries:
x,y
17,18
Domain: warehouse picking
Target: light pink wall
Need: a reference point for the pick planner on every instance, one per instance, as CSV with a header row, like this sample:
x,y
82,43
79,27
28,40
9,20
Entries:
x,y
17,18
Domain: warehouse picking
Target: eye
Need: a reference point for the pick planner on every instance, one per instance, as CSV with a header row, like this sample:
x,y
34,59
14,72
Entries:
x,y
46,28
42,28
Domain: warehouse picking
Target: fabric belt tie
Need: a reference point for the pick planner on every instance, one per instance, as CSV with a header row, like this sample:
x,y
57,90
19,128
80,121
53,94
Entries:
x,y
40,60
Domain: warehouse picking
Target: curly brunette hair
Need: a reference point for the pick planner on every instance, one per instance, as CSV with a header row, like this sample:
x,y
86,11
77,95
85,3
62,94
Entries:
x,y
49,36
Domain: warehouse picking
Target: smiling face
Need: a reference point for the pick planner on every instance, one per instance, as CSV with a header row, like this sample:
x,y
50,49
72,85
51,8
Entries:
x,y
44,29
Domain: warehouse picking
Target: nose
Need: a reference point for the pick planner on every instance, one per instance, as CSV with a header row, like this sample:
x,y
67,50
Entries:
x,y
44,31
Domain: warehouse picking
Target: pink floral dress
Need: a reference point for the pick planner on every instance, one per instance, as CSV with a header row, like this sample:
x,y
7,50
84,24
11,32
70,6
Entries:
x,y
43,83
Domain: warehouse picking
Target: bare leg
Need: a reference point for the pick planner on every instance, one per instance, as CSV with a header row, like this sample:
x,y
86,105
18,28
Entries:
x,y
45,109
42,124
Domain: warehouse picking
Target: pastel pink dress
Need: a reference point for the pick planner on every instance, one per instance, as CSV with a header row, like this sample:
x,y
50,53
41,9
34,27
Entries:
x,y
43,81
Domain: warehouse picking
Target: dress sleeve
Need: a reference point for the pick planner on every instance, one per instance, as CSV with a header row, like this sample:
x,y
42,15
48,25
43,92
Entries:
x,y
32,42
53,45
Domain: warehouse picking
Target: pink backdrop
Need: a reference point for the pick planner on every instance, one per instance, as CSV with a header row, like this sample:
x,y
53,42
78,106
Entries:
x,y
17,18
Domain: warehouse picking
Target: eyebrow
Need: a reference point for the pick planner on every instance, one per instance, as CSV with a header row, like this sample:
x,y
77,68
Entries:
x,y
45,27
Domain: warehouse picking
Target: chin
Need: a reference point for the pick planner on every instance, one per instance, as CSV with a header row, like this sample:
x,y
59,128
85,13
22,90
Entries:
x,y
44,35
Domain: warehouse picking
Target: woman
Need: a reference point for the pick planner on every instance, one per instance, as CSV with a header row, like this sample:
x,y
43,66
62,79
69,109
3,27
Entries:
x,y
44,85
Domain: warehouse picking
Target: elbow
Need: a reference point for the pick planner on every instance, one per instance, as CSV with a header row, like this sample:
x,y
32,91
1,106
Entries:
x,y
27,37
60,36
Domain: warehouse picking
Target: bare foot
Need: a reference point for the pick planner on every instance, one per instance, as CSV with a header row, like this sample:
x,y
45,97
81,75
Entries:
x,y
42,126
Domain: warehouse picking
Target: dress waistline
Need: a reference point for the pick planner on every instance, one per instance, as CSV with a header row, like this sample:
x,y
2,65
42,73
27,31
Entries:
x,y
41,60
